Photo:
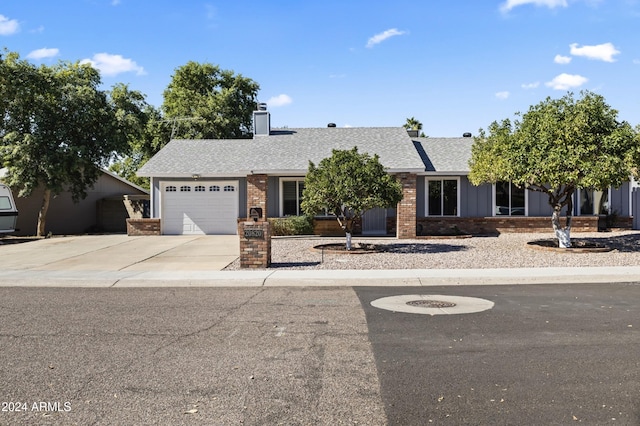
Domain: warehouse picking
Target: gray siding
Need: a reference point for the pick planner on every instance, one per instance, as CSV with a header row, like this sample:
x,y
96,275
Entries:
x,y
273,196
619,203
475,201
64,215
538,204
421,202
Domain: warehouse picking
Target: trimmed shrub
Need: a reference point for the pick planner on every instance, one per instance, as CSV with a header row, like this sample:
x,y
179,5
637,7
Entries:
x,y
291,225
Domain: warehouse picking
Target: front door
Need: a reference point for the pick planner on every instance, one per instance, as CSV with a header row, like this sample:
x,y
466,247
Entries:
x,y
374,222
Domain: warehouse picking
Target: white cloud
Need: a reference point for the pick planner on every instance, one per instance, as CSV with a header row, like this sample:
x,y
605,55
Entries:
x,y
528,86
559,59
600,52
8,26
110,65
566,81
551,4
43,53
211,11
502,95
280,100
379,38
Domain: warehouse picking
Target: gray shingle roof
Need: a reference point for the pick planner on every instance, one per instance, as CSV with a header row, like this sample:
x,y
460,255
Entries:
x,y
445,155
287,150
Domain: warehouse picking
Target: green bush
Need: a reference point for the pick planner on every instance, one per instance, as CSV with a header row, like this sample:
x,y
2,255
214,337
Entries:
x,y
292,225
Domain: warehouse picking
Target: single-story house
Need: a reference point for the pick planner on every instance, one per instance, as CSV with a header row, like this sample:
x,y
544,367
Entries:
x,y
106,208
206,186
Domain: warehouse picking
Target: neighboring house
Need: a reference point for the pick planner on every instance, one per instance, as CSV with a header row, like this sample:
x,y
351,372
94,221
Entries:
x,y
103,210
205,186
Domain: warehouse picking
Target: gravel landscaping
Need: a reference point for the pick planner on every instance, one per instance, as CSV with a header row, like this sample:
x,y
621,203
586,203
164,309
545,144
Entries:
x,y
503,251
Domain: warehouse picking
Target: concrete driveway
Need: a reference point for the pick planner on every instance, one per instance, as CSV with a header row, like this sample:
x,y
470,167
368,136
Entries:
x,y
111,253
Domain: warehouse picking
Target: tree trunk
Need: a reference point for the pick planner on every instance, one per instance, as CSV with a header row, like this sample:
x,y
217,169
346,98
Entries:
x,y
348,229
563,234
42,216
348,245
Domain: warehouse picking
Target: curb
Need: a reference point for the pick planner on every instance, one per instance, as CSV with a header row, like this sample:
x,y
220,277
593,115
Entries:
x,y
323,278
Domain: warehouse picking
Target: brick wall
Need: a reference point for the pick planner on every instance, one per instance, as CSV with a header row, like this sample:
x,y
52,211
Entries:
x,y
255,244
137,227
494,225
257,193
406,222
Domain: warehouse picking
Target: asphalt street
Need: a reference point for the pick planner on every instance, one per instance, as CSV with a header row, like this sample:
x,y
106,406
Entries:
x,y
542,355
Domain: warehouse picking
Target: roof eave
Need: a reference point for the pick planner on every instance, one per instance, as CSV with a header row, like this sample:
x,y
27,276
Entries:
x,y
445,173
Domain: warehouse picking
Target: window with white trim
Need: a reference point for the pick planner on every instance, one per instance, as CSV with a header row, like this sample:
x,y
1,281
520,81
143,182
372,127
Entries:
x,y
593,202
185,188
291,196
443,197
214,188
509,199
170,188
229,188
200,188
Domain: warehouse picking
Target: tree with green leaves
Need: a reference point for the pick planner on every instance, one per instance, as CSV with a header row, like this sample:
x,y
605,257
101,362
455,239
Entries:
x,y
201,102
558,146
347,184
150,133
58,129
205,102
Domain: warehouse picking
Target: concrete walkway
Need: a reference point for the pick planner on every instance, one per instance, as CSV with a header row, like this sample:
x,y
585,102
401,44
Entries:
x,y
197,261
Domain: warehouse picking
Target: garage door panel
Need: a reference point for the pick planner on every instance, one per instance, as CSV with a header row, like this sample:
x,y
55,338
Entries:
x,y
204,209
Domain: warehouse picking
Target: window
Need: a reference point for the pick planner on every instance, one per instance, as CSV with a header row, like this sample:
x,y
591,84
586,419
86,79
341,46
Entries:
x,y
593,202
291,197
170,188
214,188
510,200
442,197
229,188
200,188
185,188
5,203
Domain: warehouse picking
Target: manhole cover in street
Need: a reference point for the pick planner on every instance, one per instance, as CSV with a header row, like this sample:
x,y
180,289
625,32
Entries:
x,y
432,304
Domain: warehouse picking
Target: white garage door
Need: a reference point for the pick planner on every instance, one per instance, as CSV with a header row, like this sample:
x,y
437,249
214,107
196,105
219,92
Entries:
x,y
194,208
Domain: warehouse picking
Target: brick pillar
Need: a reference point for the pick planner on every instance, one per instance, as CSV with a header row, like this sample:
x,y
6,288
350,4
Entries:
x,y
406,221
257,193
255,244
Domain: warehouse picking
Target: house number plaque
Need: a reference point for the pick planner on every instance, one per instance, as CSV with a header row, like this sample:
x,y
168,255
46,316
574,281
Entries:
x,y
253,233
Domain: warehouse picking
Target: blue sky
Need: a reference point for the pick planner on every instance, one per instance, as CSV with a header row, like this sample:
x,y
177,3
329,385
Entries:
x,y
454,65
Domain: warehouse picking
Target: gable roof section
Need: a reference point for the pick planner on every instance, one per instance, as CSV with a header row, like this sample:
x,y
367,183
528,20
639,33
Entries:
x,y
3,173
283,151
445,155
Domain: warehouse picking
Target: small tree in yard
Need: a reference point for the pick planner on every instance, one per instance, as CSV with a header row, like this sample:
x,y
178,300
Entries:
x,y
558,146
347,184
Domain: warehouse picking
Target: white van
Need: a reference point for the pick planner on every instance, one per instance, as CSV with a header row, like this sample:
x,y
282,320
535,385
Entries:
x,y
8,210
